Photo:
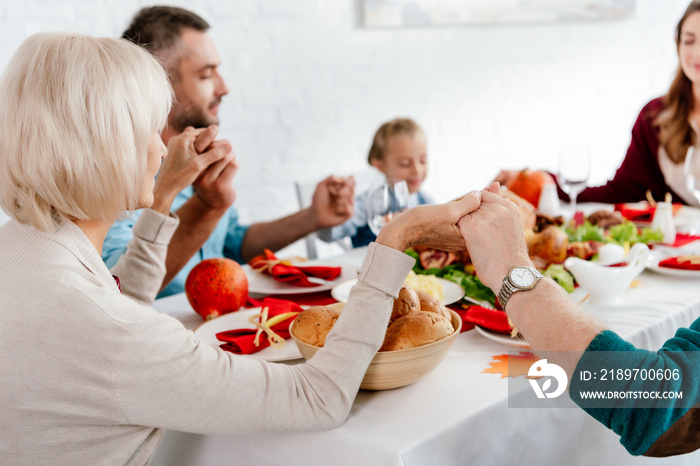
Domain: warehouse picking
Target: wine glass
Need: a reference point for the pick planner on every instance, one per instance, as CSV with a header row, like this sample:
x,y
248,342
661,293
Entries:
x,y
574,171
691,170
384,202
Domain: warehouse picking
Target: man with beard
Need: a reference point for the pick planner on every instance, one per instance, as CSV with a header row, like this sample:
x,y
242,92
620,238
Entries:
x,y
208,222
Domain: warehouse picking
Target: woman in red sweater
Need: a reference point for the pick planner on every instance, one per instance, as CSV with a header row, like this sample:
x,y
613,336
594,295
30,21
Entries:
x,y
665,129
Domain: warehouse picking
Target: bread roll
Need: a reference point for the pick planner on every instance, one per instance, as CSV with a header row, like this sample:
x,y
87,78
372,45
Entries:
x,y
430,304
416,329
312,325
406,302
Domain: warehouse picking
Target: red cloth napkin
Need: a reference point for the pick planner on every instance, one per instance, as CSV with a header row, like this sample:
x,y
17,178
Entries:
x,y
490,319
294,275
684,238
681,262
241,341
320,298
642,212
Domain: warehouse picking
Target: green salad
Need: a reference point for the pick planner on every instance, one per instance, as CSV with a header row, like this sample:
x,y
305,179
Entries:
x,y
624,233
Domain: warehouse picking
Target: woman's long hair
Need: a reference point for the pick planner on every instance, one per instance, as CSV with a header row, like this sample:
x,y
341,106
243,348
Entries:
x,y
675,132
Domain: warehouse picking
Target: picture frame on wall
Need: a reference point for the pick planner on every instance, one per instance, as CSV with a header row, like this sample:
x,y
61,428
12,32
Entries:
x,y
415,13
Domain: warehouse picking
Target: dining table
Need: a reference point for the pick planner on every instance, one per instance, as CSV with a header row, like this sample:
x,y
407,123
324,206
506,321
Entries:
x,y
463,412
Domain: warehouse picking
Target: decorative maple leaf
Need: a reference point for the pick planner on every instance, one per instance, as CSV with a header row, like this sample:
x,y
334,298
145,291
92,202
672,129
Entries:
x,y
513,365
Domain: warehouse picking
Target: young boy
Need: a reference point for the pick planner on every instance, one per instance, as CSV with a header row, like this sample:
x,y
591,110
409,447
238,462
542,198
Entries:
x,y
399,151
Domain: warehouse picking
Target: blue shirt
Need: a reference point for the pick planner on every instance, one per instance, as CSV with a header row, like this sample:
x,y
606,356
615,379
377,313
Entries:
x,y
224,241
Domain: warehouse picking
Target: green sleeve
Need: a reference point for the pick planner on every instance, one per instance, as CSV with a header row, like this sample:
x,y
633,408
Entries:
x,y
640,422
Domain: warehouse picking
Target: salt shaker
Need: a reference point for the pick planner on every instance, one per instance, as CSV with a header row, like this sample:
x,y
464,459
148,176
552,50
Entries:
x,y
663,221
548,203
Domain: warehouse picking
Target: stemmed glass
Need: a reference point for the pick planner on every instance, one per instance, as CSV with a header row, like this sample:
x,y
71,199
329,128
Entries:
x,y
574,171
691,170
384,202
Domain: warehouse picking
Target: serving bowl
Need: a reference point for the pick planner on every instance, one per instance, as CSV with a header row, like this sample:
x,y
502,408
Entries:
x,y
606,283
394,369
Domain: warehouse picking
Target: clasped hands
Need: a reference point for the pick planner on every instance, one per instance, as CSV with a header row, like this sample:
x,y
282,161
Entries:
x,y
332,202
483,222
196,158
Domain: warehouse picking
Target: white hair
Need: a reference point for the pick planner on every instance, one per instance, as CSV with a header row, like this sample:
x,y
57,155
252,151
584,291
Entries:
x,y
76,115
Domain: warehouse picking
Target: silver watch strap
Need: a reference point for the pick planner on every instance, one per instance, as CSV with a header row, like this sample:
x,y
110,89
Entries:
x,y
507,288
505,292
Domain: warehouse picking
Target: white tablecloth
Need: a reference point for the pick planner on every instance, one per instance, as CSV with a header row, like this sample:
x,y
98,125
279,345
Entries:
x,y
457,414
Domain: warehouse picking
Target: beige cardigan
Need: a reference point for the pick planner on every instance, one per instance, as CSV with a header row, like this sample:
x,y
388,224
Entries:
x,y
92,377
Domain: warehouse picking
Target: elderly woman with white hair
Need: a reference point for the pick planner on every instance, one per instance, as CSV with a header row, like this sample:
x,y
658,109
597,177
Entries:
x,y
94,376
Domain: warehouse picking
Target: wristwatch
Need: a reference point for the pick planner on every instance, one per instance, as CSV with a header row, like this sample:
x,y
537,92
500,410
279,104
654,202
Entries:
x,y
520,278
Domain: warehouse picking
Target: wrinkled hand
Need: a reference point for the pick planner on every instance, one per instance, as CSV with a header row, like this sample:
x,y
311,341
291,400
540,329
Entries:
x,y
183,164
494,237
214,187
333,201
431,225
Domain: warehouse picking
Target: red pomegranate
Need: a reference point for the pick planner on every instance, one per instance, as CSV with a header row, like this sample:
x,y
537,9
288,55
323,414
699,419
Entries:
x,y
216,286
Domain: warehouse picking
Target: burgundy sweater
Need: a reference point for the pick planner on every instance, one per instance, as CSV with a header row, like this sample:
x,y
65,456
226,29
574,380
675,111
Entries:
x,y
640,169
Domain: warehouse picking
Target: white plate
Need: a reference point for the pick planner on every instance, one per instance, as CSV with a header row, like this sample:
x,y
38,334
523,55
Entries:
x,y
265,284
687,217
660,253
206,333
502,338
451,291
654,267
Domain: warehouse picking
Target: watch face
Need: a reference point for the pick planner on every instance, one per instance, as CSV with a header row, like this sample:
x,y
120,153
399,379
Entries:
x,y
522,277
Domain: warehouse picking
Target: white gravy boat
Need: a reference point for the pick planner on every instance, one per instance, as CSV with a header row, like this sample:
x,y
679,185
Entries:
x,y
606,284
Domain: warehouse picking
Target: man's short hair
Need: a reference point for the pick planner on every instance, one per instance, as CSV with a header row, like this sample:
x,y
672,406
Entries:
x,y
158,28
76,117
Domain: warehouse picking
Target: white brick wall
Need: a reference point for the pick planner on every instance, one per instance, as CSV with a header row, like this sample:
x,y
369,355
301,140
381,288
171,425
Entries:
x,y
309,86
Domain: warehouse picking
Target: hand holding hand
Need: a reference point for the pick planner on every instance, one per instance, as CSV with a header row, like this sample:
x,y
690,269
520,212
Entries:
x,y
333,201
494,237
183,164
431,225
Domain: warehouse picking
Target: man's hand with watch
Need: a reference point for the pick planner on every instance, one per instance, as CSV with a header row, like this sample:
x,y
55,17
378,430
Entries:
x,y
496,242
519,278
